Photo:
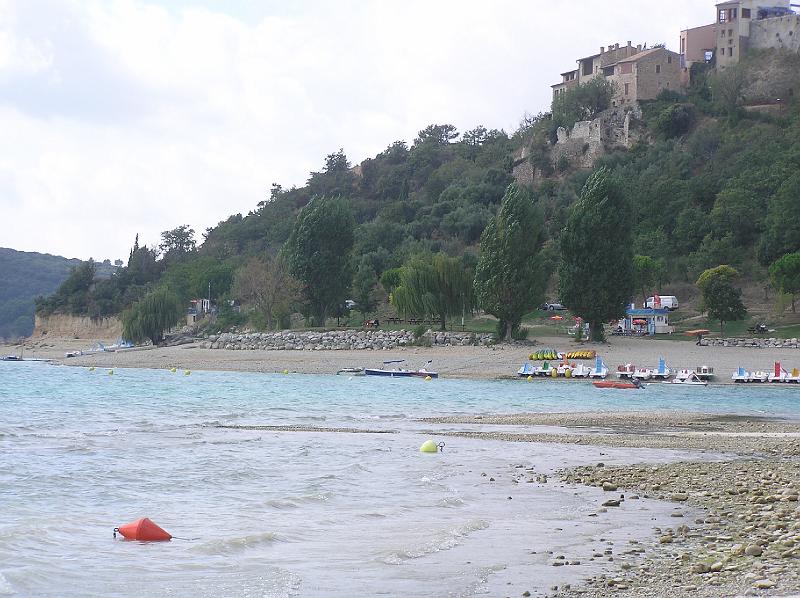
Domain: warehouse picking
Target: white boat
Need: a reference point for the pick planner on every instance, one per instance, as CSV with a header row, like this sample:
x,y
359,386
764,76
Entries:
x,y
581,371
599,370
643,373
626,371
528,369
759,376
687,378
704,372
741,375
662,372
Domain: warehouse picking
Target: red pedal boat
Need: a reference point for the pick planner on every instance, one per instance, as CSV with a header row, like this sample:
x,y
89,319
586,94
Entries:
x,y
616,384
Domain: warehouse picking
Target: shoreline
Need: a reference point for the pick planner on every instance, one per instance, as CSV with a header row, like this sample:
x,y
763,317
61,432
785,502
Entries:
x,y
493,362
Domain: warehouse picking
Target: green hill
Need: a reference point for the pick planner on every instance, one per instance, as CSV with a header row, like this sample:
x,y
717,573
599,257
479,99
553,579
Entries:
x,y
25,276
712,180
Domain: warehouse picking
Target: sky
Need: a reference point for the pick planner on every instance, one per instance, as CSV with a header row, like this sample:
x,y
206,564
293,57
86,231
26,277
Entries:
x,y
126,117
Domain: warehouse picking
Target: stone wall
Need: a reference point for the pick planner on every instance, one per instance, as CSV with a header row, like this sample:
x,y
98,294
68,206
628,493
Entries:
x,y
338,340
590,140
777,32
756,343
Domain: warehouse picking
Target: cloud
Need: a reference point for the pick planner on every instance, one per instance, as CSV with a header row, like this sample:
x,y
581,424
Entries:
x,y
129,116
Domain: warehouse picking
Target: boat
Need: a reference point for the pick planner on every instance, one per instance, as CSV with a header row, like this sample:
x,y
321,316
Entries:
x,y
779,374
400,372
581,371
759,376
599,370
662,372
741,376
643,374
617,384
12,358
626,371
527,370
704,372
688,378
351,371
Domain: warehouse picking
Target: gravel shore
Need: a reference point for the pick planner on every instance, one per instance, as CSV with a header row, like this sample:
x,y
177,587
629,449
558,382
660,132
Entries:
x,y
746,540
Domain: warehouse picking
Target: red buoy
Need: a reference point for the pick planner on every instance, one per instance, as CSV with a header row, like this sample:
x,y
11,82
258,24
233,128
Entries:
x,y
143,530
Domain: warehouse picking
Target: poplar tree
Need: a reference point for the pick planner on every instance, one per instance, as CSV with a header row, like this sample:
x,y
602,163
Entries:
x,y
596,276
509,281
318,253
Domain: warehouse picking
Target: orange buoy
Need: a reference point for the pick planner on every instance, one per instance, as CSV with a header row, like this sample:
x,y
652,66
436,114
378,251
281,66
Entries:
x,y
143,530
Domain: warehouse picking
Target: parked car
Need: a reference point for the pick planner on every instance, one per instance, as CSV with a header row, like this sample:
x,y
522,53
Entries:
x,y
554,306
669,302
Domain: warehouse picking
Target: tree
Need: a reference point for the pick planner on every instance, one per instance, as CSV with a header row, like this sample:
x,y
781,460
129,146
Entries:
x,y
596,271
785,275
727,88
437,134
364,290
318,253
437,286
720,298
266,285
176,243
582,102
149,318
645,273
509,279
723,302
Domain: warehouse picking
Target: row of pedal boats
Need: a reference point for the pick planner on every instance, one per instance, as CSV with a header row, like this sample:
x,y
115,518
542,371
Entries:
x,y
629,375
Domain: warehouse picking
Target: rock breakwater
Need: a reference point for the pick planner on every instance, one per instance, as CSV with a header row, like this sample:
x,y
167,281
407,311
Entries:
x,y
340,340
756,343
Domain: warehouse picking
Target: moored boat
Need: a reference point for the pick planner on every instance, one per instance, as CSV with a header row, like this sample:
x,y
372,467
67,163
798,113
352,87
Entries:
x,y
687,378
626,371
400,372
617,384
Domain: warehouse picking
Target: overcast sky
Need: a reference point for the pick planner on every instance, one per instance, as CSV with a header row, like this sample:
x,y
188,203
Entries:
x,y
136,116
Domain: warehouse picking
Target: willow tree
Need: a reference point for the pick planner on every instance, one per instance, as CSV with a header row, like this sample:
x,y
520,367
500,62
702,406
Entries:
x,y
509,279
150,317
596,279
436,287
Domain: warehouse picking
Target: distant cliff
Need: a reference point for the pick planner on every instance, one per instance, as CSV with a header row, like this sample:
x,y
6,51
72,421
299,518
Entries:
x,y
66,326
23,277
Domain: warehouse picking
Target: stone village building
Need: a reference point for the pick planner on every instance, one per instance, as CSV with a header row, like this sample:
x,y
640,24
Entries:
x,y
641,74
638,73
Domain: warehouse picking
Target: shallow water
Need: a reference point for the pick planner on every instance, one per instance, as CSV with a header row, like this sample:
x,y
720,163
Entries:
x,y
271,513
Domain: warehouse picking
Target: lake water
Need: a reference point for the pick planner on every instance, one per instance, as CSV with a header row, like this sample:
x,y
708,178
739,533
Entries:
x,y
268,513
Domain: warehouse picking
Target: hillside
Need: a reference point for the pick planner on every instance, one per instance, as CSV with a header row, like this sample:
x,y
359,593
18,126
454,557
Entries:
x,y
25,276
711,175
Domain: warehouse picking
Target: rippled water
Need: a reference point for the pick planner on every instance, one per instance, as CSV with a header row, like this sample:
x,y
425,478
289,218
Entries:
x,y
269,513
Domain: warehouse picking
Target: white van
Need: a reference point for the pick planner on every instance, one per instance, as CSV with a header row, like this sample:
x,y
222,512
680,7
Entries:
x,y
669,302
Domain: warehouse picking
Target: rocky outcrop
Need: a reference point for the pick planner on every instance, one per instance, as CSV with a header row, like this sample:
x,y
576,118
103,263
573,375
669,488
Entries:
x,y
83,327
756,343
339,340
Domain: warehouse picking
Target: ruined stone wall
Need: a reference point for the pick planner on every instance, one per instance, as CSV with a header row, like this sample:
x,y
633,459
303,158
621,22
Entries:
x,y
780,33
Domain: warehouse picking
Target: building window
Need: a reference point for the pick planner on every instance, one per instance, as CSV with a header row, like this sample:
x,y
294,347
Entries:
x,y
730,32
658,69
722,16
722,33
745,13
627,88
669,59
732,13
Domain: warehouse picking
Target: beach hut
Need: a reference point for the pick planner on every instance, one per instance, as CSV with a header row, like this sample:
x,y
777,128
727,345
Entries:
x,y
646,321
